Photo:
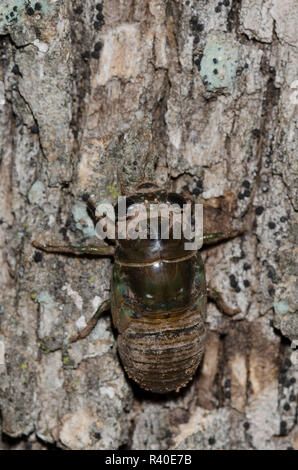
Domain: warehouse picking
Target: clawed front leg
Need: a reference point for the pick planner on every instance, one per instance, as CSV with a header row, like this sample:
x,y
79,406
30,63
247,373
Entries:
x,y
96,250
217,298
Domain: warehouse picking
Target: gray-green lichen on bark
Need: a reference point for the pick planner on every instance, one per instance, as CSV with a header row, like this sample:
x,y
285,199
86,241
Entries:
x,y
198,91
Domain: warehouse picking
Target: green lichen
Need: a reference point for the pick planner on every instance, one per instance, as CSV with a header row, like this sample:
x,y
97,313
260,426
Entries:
x,y
219,63
43,347
44,298
13,12
83,221
281,307
68,362
113,191
36,192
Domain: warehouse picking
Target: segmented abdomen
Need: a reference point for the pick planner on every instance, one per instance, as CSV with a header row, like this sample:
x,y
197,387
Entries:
x,y
159,311
164,356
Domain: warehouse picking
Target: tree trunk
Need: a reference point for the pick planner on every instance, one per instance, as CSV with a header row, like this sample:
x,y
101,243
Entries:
x,y
202,93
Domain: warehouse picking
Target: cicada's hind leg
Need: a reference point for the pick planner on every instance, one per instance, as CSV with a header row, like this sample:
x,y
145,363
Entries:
x,y
95,250
104,307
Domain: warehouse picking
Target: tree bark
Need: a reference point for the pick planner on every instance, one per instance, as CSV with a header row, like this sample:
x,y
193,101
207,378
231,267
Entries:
x,y
202,93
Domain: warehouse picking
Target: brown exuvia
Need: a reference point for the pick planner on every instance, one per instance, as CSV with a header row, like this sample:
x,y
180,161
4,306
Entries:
x,y
158,300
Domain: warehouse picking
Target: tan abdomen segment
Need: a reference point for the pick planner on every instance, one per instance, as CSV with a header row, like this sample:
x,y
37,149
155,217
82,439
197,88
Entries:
x,y
162,354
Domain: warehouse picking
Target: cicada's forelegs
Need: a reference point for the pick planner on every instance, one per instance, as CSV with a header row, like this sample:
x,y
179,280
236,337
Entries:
x,y
217,298
104,307
96,250
210,238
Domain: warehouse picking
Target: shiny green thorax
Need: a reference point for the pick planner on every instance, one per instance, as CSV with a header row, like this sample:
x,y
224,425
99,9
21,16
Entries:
x,y
158,290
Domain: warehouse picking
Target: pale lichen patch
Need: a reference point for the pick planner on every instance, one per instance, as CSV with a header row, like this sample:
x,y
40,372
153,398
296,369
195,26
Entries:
x,y
50,315
82,219
36,194
219,63
74,295
281,307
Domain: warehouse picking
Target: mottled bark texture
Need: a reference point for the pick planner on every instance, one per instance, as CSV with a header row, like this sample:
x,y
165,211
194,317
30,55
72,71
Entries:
x,y
203,91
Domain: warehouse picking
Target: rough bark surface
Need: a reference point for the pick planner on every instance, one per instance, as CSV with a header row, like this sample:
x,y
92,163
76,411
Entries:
x,y
84,88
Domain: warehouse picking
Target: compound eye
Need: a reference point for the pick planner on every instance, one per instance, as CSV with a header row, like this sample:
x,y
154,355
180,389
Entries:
x,y
174,198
